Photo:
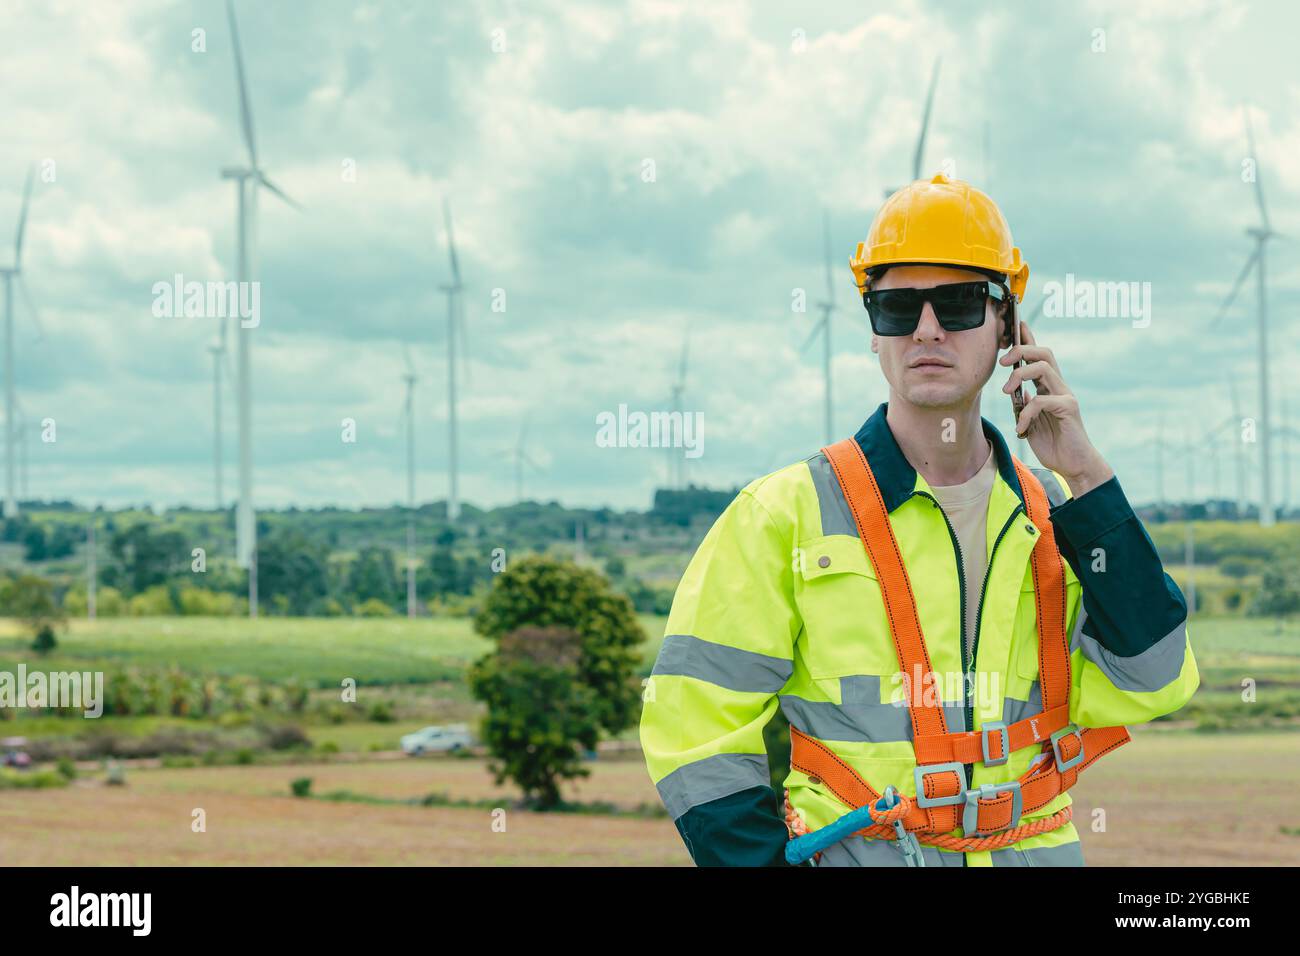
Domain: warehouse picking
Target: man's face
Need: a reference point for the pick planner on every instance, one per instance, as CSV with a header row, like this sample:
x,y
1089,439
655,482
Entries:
x,y
934,368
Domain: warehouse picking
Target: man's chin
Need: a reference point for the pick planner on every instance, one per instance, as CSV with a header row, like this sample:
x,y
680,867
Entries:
x,y
935,395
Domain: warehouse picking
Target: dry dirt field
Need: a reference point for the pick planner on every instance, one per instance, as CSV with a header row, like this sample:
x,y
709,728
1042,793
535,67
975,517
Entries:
x,y
1170,799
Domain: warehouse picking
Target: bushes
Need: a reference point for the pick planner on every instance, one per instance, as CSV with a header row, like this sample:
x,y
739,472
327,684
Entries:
x,y
155,601
380,713
1279,591
30,779
108,602
286,737
202,602
373,607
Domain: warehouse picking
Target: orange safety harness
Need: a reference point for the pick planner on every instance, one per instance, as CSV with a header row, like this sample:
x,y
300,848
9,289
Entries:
x,y
990,814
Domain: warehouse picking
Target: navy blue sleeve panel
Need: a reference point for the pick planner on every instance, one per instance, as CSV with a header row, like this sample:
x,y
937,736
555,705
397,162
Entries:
x,y
1131,603
741,829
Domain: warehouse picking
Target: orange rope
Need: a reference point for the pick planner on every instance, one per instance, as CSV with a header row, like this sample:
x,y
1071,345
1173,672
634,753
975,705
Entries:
x,y
882,829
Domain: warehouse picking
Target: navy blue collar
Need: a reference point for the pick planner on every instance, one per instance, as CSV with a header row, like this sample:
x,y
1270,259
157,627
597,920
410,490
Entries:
x,y
896,476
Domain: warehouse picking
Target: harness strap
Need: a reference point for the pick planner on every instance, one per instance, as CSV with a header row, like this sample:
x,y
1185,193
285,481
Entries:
x,y
1044,781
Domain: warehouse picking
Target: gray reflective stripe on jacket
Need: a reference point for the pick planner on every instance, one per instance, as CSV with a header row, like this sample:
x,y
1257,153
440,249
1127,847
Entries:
x,y
1156,667
711,779
685,655
861,717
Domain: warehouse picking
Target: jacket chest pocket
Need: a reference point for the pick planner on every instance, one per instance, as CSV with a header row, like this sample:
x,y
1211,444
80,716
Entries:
x,y
846,631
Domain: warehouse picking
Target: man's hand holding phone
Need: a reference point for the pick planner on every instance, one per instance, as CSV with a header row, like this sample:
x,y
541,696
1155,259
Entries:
x,y
1051,420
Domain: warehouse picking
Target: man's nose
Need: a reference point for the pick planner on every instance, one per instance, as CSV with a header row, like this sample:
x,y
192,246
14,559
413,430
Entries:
x,y
928,328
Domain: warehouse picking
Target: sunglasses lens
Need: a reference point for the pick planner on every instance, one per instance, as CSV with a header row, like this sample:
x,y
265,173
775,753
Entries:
x,y
959,307
894,311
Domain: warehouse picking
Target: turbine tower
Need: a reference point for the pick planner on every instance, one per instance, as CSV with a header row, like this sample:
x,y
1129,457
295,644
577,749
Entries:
x,y
676,456
409,411
13,274
248,179
455,331
823,328
1260,234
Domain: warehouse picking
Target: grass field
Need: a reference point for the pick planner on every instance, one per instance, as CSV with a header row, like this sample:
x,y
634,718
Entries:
x,y
371,650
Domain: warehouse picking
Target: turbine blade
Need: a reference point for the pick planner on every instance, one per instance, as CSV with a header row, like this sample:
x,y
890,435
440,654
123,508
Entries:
x,y
925,122
812,335
22,222
826,235
278,191
410,366
681,368
1259,189
31,307
245,111
1236,286
451,241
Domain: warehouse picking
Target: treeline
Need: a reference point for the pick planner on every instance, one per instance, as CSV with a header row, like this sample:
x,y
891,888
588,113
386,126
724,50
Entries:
x,y
325,562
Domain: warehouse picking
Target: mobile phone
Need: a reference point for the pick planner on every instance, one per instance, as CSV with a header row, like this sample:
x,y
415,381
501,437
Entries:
x,y
1018,396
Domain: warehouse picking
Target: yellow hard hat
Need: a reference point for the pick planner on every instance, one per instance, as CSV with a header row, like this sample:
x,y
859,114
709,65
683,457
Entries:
x,y
945,222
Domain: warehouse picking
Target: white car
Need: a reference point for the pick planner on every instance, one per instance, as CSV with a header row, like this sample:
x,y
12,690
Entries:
x,y
437,739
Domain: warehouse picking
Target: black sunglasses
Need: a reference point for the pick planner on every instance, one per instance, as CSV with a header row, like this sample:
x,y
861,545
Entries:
x,y
959,307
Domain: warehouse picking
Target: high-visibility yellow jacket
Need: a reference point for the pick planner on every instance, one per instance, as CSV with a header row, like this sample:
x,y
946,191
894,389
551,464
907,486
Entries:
x,y
780,607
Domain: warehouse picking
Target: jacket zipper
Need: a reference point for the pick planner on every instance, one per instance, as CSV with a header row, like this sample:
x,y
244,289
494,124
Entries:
x,y
968,666
975,645
961,585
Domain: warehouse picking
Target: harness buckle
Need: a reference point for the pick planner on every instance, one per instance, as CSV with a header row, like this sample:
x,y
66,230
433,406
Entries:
x,y
920,773
1067,731
1001,728
990,791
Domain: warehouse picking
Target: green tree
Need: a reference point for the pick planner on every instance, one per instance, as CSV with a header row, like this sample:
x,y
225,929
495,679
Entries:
x,y
541,716
540,591
292,565
1279,591
146,557
31,599
373,576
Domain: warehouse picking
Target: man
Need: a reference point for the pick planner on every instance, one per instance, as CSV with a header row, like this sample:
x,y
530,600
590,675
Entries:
x,y
953,637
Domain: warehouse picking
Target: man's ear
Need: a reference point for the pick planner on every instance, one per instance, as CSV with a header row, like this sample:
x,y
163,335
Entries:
x,y
1006,338
875,343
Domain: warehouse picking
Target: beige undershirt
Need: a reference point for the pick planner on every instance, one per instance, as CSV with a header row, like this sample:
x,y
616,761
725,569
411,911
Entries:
x,y
967,508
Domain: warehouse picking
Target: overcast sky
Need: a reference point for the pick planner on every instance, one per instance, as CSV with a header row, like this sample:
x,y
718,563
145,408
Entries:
x,y
1116,165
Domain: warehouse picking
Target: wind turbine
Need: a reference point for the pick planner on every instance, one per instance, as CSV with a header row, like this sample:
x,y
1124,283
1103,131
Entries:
x,y
455,330
408,411
1232,425
823,328
676,457
1260,234
248,179
919,154
13,274
522,458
